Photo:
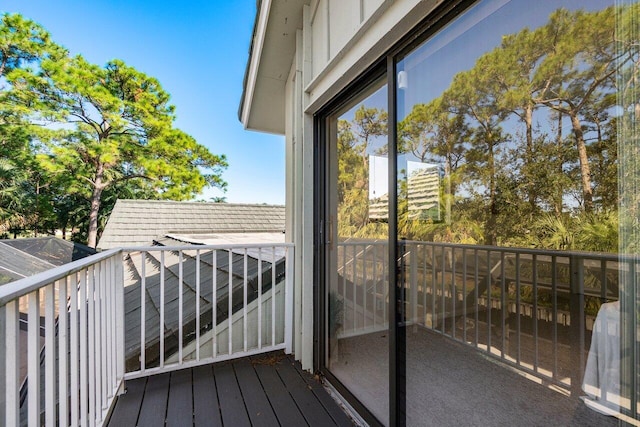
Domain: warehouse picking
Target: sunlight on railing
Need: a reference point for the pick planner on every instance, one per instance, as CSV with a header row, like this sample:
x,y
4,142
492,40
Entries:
x,y
63,369
72,335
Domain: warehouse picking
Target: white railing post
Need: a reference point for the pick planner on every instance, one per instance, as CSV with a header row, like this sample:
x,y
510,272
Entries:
x,y
197,305
11,331
180,305
74,348
273,296
260,298
33,354
98,329
143,311
50,356
119,316
214,301
161,326
63,355
69,356
230,306
244,300
91,352
288,301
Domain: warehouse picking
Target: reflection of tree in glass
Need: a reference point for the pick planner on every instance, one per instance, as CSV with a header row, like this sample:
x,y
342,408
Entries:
x,y
628,85
498,128
355,140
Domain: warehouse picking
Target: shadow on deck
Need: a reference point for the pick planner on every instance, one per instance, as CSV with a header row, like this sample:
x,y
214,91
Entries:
x,y
265,390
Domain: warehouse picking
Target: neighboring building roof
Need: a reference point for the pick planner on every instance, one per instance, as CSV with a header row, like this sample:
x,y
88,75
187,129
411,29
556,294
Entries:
x,y
139,222
51,249
15,264
25,257
152,261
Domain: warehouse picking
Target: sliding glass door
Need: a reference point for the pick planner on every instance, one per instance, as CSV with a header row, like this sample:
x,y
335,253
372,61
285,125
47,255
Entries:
x,y
356,292
507,214
479,220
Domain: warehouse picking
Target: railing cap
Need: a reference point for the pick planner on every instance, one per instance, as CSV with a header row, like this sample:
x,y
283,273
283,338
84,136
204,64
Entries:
x,y
13,290
194,247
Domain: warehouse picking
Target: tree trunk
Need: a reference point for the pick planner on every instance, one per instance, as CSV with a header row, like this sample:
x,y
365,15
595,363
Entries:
x,y
490,232
585,171
448,190
98,186
560,161
531,185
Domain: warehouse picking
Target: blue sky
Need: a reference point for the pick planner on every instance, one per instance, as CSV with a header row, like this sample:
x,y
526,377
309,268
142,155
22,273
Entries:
x,y
198,51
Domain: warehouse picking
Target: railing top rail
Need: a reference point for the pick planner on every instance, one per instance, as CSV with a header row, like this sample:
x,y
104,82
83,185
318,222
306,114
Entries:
x,y
363,243
530,251
22,287
193,247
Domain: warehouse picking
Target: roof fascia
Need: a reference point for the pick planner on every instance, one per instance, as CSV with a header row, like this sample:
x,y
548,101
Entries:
x,y
259,35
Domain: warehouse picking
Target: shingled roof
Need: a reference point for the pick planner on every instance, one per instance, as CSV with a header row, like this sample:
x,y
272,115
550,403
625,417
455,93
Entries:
x,y
25,257
139,222
192,261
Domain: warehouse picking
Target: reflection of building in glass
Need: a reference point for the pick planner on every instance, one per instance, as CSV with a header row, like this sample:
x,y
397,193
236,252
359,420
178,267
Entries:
x,y
379,208
378,187
423,191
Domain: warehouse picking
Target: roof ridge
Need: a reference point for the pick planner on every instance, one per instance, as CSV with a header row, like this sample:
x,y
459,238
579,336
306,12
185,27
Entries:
x,y
193,202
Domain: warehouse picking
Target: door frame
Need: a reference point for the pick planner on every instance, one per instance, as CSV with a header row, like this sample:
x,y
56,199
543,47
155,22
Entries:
x,y
385,66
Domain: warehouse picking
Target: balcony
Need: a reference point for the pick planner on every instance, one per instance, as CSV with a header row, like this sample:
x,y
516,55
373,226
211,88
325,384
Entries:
x,y
176,324
77,337
494,327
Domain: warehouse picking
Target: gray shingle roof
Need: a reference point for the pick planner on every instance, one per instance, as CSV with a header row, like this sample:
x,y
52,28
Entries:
x,y
25,257
139,222
15,264
153,264
51,249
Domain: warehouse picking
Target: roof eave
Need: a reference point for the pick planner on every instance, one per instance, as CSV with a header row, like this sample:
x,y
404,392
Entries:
x,y
262,104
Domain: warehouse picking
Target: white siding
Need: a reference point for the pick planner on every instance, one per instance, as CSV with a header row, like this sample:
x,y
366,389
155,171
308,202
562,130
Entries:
x,y
319,35
344,21
356,40
339,39
369,7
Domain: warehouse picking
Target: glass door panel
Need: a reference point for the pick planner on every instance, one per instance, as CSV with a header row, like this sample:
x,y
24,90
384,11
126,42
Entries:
x,y
356,324
507,163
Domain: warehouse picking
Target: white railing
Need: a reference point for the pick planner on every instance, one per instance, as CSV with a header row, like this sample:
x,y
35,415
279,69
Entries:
x,y
532,309
131,313
75,358
362,287
203,304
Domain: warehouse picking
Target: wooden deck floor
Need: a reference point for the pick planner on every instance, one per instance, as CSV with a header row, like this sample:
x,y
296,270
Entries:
x,y
266,390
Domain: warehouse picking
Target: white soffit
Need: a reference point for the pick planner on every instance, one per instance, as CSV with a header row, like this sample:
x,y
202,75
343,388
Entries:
x,y
273,51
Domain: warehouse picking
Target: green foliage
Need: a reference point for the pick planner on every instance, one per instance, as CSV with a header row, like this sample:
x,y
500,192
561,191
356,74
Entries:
x,y
353,140
90,130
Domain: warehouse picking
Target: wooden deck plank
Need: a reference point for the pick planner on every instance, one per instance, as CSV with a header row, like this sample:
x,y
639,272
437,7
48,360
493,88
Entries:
x,y
154,403
311,408
206,411
232,406
267,390
180,403
330,405
128,405
255,399
281,401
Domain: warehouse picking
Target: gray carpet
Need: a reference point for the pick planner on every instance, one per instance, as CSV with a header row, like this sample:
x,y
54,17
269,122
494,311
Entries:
x,y
449,384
